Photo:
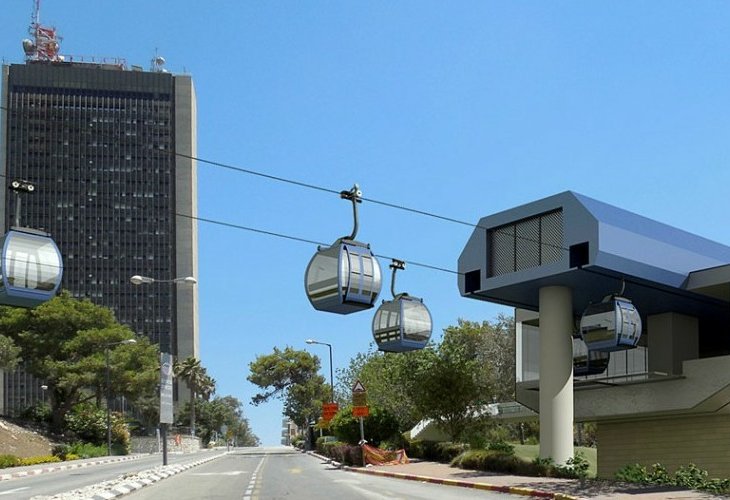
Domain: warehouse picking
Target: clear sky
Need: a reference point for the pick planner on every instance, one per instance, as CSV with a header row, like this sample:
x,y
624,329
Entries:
x,y
458,108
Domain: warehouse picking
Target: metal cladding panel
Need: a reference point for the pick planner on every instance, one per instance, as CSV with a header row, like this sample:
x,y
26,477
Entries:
x,y
562,222
620,245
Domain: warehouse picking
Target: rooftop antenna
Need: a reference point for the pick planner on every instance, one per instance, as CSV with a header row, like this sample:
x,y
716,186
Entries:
x,y
45,42
157,64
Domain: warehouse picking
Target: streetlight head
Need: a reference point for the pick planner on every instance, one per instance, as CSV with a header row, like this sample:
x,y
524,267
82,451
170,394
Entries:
x,y
190,280
128,341
309,341
139,280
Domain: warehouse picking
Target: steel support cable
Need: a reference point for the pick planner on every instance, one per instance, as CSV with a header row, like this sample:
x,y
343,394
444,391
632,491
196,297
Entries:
x,y
337,192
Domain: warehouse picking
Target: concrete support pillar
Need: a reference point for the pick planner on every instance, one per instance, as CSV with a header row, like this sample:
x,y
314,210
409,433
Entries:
x,y
556,373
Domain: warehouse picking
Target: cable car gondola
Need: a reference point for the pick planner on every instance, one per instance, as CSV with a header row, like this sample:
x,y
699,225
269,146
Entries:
x,y
611,325
402,324
345,277
30,263
587,362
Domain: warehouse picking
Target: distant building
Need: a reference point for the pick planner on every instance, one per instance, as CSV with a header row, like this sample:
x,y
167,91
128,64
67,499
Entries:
x,y
665,400
289,431
111,154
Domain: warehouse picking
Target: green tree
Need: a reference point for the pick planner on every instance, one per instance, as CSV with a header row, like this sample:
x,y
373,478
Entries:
x,y
9,354
494,345
134,369
456,380
243,435
303,402
225,411
291,376
62,342
391,381
194,375
477,359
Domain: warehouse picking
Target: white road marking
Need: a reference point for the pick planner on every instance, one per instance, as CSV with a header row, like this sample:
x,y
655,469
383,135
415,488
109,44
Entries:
x,y
229,473
10,492
252,483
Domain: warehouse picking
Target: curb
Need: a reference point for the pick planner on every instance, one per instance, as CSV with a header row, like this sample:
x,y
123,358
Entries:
x,y
67,466
160,473
450,482
465,484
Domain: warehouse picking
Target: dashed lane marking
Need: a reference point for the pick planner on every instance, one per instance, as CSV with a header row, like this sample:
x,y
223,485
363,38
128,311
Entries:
x,y
247,495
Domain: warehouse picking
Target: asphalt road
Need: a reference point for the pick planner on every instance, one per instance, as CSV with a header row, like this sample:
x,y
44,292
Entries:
x,y
283,473
52,483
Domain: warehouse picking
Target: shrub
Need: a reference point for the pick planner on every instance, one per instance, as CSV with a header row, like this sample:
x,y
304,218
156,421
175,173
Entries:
x,y
86,450
13,461
433,450
494,461
659,475
298,442
380,426
343,453
61,451
575,467
8,461
322,441
71,456
40,413
717,486
633,473
687,476
449,451
89,423
502,447
690,476
43,459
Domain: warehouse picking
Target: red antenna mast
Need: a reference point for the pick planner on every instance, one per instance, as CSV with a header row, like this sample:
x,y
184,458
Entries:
x,y
45,44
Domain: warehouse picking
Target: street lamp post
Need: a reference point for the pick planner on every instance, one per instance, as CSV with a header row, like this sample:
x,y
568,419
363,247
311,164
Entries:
x,y
108,392
332,385
166,359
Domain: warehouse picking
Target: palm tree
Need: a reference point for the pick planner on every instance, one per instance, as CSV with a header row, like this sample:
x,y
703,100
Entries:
x,y
207,387
193,374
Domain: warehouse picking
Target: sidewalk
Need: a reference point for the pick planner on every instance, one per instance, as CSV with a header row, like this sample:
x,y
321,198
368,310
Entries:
x,y
544,487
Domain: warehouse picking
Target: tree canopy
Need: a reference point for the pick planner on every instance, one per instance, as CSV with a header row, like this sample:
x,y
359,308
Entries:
x,y
448,382
291,376
9,353
192,372
224,413
63,343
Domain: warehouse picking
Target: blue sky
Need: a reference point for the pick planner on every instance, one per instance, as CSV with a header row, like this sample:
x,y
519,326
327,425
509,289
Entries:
x,y
458,108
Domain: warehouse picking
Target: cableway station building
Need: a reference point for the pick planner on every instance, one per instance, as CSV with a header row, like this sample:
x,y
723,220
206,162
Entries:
x,y
665,400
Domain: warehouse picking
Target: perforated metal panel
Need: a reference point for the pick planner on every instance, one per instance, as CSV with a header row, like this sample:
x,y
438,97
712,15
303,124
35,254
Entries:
x,y
525,244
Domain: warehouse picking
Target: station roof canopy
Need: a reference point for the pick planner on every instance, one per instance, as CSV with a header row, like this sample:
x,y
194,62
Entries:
x,y
596,249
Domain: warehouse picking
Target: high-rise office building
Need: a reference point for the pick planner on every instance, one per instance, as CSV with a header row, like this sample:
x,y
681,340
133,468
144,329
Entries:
x,y
110,151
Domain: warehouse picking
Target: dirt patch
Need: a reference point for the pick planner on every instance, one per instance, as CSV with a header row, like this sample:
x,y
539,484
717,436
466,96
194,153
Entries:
x,y
22,442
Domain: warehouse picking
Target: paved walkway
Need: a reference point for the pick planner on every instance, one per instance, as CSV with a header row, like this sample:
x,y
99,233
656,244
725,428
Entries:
x,y
543,487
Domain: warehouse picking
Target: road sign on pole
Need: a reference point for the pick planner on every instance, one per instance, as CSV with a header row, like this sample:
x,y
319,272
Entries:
x,y
359,395
329,410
